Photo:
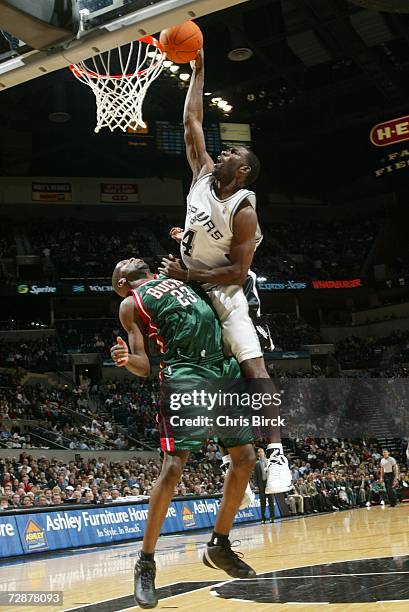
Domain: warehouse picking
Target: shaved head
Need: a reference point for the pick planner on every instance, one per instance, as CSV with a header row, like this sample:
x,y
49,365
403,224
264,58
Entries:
x,y
127,273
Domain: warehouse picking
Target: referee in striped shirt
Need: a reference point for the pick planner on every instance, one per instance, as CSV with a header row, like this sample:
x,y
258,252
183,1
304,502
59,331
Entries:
x,y
390,476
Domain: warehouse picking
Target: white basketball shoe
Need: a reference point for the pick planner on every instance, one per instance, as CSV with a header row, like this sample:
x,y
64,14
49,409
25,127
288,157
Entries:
x,y
279,478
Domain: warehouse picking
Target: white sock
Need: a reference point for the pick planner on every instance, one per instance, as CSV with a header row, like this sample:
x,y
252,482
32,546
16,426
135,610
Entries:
x,y
226,459
275,445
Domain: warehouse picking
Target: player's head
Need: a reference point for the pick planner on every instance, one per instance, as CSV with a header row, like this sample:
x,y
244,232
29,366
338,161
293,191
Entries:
x,y
385,453
127,273
237,163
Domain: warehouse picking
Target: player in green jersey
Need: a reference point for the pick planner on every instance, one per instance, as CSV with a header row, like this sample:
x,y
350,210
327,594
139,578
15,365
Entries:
x,y
190,340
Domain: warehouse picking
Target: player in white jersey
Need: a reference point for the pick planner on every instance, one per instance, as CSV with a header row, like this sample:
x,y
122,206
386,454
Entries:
x,y
217,246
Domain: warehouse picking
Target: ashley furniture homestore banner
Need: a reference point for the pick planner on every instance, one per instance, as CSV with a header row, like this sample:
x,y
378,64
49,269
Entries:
x,y
67,527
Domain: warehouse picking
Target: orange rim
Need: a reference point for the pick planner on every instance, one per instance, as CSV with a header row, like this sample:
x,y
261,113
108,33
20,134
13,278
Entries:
x,y
148,40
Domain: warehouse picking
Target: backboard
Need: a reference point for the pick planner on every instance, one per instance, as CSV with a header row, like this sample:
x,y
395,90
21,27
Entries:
x,y
104,24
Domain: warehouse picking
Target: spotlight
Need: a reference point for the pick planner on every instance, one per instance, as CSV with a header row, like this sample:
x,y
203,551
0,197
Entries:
x,y
184,76
151,53
208,93
240,54
59,117
262,94
167,63
251,97
222,103
227,108
215,100
261,279
174,68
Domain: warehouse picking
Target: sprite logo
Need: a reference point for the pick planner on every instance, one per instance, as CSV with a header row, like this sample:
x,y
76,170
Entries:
x,y
22,289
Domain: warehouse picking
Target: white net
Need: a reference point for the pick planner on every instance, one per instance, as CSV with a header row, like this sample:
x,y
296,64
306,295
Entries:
x,y
120,79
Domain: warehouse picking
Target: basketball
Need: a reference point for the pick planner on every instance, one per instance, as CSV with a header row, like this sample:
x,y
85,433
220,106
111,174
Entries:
x,y
182,42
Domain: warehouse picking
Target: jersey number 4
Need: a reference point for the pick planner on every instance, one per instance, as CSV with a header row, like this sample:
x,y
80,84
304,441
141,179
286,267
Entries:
x,y
187,242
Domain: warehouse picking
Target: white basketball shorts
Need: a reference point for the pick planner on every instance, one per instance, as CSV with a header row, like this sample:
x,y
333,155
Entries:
x,y
239,335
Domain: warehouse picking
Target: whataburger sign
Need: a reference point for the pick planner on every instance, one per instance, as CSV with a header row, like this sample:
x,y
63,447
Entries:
x,y
390,132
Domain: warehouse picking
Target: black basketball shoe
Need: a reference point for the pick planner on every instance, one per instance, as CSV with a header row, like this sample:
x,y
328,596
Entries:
x,y
144,581
224,558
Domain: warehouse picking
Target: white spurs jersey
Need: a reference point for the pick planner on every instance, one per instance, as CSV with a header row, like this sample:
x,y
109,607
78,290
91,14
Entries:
x,y
209,225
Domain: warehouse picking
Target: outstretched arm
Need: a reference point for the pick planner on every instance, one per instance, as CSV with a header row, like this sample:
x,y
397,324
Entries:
x,y
240,256
198,158
137,361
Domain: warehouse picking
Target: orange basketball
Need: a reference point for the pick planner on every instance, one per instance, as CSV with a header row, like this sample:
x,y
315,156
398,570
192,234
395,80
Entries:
x,y
182,42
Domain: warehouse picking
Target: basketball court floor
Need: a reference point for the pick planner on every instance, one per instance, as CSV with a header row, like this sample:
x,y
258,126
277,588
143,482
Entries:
x,y
347,561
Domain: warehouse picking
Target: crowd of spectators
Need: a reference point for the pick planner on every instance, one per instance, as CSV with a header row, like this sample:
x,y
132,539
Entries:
x,y
290,333
292,250
42,354
88,335
19,324
364,353
98,335
80,249
8,247
26,481
115,415
328,475
302,250
8,250
132,404
335,474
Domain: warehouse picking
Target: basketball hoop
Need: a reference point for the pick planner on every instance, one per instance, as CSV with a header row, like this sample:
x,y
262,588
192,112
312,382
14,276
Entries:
x,y
120,79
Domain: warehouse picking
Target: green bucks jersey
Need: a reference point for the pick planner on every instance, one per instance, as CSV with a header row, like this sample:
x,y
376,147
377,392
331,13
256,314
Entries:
x,y
184,325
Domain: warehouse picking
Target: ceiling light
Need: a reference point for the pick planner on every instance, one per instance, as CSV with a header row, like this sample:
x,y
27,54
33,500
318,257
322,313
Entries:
x,y
240,54
151,53
227,108
167,63
222,103
184,76
59,117
208,93
251,97
174,68
215,100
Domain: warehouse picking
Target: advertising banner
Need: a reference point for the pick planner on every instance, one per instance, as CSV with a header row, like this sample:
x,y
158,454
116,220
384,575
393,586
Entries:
x,y
59,529
10,544
89,287
393,134
119,192
29,289
51,192
289,285
390,132
290,355
337,284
